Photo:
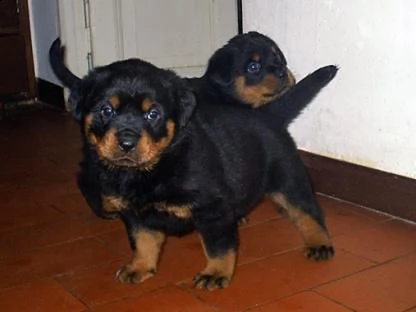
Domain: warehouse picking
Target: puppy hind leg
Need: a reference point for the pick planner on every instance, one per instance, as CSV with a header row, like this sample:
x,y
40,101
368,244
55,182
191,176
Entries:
x,y
305,213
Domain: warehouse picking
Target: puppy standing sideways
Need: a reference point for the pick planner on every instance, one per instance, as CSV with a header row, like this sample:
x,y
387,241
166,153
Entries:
x,y
167,166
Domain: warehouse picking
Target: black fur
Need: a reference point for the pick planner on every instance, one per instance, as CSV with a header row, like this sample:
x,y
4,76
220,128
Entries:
x,y
230,62
291,104
220,162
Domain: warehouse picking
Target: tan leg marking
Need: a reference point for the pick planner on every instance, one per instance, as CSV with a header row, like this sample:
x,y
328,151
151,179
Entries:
x,y
221,266
145,259
218,272
310,230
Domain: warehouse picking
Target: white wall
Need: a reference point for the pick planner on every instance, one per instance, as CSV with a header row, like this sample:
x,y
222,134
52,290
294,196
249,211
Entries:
x,y
367,115
44,29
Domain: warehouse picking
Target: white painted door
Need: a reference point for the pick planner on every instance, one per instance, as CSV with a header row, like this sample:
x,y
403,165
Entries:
x,y
176,34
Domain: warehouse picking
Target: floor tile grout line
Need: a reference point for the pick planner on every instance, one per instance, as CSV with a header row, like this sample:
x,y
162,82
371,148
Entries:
x,y
88,237
391,217
358,213
70,292
251,225
57,209
88,267
333,300
410,309
383,262
275,254
398,257
132,296
26,283
351,203
53,245
109,247
193,294
277,299
360,256
346,276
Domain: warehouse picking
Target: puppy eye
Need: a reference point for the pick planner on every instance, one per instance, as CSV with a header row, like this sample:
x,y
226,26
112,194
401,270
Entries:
x,y
253,67
107,111
152,115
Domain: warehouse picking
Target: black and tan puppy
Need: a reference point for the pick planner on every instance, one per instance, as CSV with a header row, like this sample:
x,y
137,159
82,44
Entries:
x,y
250,69
168,166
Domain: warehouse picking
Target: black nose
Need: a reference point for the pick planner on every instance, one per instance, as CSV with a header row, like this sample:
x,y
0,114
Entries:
x,y
127,141
126,145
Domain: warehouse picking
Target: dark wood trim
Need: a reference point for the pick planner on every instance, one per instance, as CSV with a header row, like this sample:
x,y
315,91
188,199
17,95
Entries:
x,y
372,188
240,16
8,31
50,93
25,32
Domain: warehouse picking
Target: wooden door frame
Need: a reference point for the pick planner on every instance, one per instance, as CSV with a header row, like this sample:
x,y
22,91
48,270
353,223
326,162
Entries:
x,y
24,30
240,29
23,33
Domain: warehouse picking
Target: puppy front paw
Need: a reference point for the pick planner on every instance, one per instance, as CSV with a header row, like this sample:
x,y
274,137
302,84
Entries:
x,y
211,282
131,275
318,253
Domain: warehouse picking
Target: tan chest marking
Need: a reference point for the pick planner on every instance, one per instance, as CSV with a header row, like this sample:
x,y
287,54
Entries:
x,y
113,203
179,211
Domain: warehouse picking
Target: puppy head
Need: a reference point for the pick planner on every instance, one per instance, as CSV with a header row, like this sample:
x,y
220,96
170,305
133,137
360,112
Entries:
x,y
131,112
250,68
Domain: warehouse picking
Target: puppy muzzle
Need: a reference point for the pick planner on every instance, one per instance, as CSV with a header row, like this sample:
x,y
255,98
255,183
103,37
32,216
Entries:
x,y
127,140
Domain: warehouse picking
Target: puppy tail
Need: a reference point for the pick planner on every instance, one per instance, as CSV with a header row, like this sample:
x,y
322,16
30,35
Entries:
x,y
58,66
289,106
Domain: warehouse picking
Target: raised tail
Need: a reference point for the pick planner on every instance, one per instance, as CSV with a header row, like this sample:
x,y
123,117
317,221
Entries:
x,y
291,104
58,66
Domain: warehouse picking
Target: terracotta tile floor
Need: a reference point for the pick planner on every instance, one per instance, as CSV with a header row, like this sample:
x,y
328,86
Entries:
x,y
55,255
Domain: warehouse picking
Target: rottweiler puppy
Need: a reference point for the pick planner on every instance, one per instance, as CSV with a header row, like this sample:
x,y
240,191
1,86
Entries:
x,y
168,161
249,69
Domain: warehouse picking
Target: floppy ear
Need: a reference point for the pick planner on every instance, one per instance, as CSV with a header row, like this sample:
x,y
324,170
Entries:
x,y
74,102
187,106
220,66
281,55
